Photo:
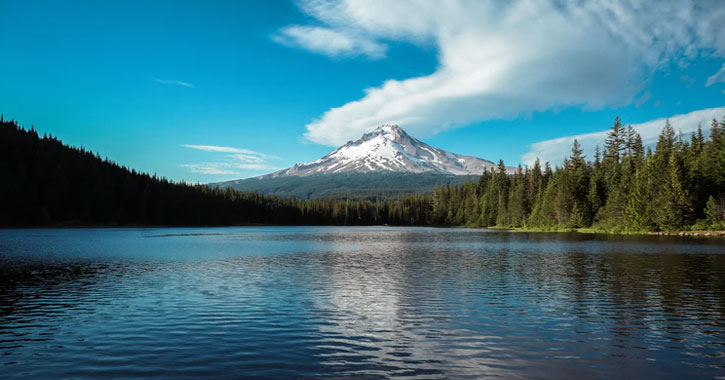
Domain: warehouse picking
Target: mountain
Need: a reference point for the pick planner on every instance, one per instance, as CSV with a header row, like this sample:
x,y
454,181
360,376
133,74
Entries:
x,y
53,184
350,185
383,164
390,149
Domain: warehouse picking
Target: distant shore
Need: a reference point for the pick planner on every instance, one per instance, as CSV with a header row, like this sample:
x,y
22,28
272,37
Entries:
x,y
71,226
720,234
606,232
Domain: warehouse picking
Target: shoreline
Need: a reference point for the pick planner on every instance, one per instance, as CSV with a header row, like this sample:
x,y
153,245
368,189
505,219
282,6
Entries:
x,y
700,234
706,233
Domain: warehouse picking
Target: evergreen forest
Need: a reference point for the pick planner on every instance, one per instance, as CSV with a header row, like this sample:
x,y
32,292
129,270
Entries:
x,y
625,188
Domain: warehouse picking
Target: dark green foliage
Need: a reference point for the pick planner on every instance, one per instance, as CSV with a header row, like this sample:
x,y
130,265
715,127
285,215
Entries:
x,y
47,183
715,213
372,186
681,185
625,191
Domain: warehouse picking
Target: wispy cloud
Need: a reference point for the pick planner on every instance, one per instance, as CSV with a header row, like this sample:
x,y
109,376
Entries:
x,y
211,168
175,82
250,158
226,149
329,41
555,150
231,162
225,168
503,59
718,77
642,99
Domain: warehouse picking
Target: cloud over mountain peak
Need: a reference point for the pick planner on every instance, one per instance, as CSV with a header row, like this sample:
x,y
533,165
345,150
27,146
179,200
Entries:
x,y
502,59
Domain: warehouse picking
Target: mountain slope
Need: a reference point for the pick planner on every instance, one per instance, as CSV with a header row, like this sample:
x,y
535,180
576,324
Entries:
x,y
383,164
389,149
349,185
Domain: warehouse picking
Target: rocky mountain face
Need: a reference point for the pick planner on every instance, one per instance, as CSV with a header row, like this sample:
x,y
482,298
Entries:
x,y
389,149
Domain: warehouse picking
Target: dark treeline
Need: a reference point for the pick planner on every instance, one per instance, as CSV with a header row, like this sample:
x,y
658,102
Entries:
x,y
45,182
625,188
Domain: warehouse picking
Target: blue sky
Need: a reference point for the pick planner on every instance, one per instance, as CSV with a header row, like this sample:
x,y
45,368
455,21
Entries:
x,y
209,91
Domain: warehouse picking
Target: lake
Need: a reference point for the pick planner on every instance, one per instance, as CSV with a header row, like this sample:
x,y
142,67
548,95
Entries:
x,y
358,302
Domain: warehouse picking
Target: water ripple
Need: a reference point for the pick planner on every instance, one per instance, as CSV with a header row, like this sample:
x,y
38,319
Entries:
x,y
357,303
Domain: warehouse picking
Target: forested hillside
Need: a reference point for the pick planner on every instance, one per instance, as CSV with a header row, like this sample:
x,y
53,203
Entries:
x,y
680,185
625,188
372,186
45,182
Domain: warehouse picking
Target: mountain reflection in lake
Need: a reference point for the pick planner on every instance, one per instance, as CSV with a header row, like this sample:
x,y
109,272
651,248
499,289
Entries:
x,y
370,302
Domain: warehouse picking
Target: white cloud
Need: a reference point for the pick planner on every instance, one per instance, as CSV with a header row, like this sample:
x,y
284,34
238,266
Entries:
x,y
555,150
211,168
503,59
329,42
231,162
225,149
175,82
250,158
718,77
642,99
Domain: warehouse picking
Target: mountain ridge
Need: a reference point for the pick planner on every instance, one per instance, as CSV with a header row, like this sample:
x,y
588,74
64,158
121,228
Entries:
x,y
389,148
383,164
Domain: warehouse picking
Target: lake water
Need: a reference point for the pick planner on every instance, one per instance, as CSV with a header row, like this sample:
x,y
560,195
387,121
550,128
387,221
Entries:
x,y
364,303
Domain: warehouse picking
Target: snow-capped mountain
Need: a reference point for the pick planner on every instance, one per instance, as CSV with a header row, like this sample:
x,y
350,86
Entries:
x,y
389,149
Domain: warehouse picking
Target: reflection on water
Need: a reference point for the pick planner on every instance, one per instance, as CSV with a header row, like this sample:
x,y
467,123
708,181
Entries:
x,y
359,302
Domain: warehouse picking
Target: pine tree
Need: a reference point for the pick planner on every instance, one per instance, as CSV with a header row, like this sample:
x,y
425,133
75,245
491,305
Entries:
x,y
535,182
697,141
501,184
715,214
548,173
630,141
638,212
518,204
594,196
579,176
672,203
597,158
666,140
614,143
637,151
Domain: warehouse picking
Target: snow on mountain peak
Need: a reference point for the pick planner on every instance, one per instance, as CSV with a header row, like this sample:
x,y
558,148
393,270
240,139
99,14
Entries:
x,y
389,148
